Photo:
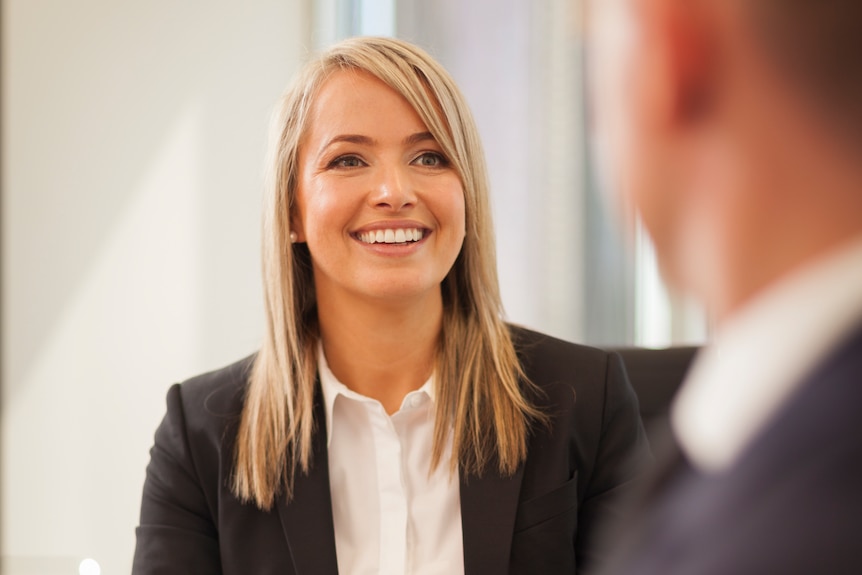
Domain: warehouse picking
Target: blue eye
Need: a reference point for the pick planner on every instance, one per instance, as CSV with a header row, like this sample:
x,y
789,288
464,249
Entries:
x,y
346,162
431,160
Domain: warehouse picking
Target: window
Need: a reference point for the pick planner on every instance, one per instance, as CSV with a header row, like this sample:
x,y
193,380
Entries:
x,y
566,266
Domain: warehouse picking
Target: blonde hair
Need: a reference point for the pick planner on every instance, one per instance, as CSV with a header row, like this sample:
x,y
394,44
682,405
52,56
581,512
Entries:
x,y
481,389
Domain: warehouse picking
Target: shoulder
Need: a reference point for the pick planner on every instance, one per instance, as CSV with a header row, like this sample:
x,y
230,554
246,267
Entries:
x,y
546,359
204,407
593,432
533,345
586,386
220,392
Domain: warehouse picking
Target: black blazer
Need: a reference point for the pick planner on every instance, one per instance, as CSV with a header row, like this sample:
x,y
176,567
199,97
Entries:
x,y
791,504
541,520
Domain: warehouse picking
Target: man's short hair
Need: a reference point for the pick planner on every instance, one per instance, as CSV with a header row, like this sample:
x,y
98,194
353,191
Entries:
x,y
817,45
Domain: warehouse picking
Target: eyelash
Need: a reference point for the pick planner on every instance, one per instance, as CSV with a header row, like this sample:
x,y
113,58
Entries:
x,y
441,159
338,163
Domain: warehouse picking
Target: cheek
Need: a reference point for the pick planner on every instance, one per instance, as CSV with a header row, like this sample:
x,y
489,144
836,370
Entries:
x,y
320,206
448,207
461,213
455,210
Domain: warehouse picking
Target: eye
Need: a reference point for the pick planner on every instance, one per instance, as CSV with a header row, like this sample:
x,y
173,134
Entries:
x,y
431,160
346,162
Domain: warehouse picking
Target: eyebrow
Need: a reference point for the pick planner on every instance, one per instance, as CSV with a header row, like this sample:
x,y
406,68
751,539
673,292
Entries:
x,y
351,139
367,141
419,137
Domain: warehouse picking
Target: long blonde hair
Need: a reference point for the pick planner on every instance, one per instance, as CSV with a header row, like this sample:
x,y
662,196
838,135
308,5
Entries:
x,y
482,393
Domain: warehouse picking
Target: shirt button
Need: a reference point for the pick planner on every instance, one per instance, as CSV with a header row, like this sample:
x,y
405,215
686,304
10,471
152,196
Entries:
x,y
415,400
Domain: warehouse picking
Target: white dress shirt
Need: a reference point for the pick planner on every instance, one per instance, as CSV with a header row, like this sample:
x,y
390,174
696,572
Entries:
x,y
762,353
392,517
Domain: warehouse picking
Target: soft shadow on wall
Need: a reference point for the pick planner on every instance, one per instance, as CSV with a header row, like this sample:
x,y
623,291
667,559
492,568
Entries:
x,y
133,149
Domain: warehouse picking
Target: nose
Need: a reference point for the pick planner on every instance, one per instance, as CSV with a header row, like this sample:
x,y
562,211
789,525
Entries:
x,y
393,189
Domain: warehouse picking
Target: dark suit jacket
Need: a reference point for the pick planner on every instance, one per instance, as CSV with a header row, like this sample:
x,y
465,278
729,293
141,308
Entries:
x,y
539,521
792,504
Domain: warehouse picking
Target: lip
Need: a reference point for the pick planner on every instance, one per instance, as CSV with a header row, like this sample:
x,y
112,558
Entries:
x,y
390,225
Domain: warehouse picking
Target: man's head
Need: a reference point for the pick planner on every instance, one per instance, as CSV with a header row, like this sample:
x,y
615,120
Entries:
x,y
817,46
734,127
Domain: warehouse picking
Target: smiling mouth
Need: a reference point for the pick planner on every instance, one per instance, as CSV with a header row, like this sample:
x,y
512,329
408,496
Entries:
x,y
391,236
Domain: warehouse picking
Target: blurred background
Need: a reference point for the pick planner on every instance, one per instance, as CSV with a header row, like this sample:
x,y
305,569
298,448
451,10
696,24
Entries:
x,y
133,139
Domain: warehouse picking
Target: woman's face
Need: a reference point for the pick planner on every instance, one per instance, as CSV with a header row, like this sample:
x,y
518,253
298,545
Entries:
x,y
378,204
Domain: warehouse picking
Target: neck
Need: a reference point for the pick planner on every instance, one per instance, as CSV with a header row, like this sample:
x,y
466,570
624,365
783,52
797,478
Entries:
x,y
382,350
799,203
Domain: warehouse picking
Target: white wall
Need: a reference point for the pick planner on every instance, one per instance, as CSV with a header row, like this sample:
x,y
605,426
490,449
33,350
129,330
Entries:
x,y
133,138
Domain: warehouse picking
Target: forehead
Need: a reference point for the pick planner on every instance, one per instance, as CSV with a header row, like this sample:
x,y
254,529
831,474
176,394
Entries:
x,y
355,102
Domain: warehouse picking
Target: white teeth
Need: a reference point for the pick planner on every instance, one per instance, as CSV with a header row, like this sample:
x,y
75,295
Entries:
x,y
398,236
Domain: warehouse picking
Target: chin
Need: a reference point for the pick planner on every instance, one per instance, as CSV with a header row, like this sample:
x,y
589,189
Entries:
x,y
401,291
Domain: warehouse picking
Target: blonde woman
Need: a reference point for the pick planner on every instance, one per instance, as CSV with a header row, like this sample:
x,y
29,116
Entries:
x,y
392,422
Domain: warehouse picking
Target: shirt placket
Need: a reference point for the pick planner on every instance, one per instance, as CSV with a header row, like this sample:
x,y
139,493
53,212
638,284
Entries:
x,y
393,497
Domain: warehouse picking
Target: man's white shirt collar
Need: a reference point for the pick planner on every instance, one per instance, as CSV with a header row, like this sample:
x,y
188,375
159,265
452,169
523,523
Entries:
x,y
761,355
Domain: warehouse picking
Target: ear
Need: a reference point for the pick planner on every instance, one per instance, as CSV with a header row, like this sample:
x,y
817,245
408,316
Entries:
x,y
682,37
297,234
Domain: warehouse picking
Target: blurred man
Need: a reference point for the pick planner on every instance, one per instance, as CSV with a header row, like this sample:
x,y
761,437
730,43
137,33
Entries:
x,y
735,129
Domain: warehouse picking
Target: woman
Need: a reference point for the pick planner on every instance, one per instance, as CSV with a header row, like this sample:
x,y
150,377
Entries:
x,y
391,422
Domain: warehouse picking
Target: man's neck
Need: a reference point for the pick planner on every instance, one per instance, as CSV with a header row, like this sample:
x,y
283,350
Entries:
x,y
793,197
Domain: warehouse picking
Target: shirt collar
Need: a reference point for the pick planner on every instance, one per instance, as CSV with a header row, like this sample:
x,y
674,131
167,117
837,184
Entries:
x,y
332,388
762,353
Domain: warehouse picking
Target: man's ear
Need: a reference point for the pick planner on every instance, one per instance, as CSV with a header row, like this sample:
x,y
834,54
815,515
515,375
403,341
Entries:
x,y
684,58
692,58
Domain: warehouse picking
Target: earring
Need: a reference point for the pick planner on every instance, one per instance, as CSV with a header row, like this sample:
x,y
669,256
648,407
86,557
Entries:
x,y
293,237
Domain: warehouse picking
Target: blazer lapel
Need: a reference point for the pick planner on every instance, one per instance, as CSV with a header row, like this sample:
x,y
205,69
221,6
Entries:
x,y
307,518
488,508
